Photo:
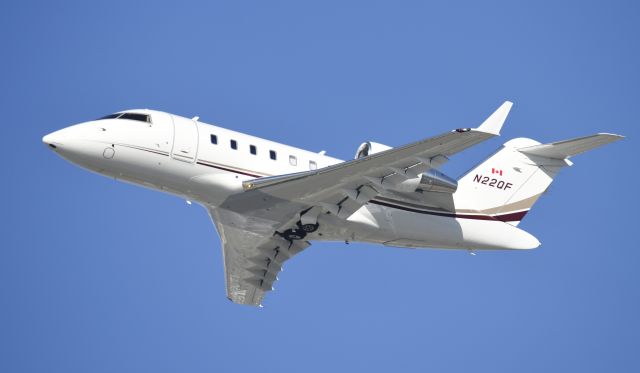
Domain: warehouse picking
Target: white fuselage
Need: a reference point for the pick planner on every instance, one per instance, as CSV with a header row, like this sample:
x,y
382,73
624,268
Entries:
x,y
198,161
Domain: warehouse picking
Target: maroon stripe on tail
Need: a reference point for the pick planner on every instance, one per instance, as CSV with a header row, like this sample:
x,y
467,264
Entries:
x,y
514,216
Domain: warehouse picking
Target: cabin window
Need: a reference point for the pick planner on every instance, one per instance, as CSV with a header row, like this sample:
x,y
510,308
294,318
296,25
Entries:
x,y
253,150
234,144
214,139
293,160
272,154
313,165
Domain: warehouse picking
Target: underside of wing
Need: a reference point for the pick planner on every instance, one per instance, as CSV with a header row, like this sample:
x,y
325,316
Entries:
x,y
252,258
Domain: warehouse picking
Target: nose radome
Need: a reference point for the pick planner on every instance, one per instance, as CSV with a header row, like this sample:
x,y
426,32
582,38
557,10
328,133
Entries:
x,y
77,144
53,139
48,140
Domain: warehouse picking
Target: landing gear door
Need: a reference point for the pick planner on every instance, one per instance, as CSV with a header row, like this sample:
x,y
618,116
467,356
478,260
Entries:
x,y
185,139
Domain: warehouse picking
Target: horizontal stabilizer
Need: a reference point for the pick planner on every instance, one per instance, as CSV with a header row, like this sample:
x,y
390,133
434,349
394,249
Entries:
x,y
569,148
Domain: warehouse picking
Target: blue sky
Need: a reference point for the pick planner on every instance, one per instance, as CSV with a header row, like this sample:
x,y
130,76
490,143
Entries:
x,y
101,276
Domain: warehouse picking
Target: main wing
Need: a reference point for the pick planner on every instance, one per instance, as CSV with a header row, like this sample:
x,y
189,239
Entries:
x,y
255,225
343,188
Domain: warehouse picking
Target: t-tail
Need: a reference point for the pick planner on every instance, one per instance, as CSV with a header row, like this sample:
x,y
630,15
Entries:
x,y
508,183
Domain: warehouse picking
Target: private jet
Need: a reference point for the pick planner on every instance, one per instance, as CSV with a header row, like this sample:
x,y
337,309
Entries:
x,y
269,201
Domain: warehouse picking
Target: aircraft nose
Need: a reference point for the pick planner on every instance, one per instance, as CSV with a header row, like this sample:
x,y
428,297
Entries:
x,y
54,139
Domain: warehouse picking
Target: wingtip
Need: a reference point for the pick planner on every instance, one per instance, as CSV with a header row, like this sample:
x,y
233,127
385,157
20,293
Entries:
x,y
613,136
494,123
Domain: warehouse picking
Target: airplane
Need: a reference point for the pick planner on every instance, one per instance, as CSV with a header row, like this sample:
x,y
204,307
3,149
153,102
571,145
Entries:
x,y
269,201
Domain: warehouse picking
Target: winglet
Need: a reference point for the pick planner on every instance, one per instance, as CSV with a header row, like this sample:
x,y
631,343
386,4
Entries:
x,y
494,123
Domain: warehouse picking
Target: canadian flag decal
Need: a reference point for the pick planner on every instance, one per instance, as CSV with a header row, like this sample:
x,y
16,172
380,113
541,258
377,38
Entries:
x,y
496,171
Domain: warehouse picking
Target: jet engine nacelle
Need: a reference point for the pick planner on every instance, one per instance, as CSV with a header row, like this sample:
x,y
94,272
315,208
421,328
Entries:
x,y
370,147
430,181
435,181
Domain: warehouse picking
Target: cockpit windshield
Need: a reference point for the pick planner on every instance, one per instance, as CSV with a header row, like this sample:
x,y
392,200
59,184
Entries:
x,y
111,116
132,116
